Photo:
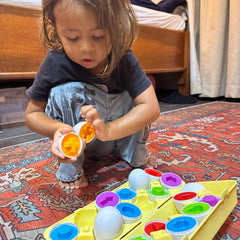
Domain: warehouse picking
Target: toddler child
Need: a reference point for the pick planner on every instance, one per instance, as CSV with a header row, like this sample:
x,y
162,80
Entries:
x,y
90,73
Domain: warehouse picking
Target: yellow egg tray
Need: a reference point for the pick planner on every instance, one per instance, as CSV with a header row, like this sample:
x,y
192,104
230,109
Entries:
x,y
208,228
160,209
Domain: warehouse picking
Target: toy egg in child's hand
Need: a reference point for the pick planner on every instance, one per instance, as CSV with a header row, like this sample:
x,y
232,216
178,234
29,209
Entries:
x,y
70,144
138,179
85,130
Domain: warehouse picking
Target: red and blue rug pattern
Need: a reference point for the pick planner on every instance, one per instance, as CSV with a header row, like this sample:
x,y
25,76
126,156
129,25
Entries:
x,y
200,143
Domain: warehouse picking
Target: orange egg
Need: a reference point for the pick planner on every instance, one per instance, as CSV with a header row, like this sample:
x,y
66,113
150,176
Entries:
x,y
85,130
71,144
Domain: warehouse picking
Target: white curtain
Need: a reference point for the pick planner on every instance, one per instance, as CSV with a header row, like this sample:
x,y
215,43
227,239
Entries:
x,y
215,47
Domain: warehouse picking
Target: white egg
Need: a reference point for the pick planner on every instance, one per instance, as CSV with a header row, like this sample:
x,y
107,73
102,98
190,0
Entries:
x,y
193,187
108,223
138,179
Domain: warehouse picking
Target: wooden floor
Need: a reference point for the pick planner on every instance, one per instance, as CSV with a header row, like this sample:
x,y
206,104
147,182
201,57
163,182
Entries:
x,y
17,132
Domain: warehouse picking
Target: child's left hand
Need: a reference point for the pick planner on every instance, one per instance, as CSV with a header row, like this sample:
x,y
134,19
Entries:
x,y
91,115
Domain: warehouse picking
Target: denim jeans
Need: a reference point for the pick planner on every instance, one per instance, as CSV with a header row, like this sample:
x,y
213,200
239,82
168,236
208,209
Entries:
x,y
64,104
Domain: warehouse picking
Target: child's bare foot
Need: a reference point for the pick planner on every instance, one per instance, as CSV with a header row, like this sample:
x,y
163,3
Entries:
x,y
81,182
152,162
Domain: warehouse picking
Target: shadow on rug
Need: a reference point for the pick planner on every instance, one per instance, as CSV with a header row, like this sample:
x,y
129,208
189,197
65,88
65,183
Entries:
x,y
198,143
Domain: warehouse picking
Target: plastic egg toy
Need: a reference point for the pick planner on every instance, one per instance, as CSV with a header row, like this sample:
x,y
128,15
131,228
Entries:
x,y
107,199
140,238
153,226
130,212
171,180
70,144
64,231
181,226
182,198
108,223
85,131
126,194
198,210
153,174
157,193
210,199
138,179
193,187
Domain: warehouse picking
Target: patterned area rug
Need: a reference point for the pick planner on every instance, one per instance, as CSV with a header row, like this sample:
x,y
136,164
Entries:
x,y
198,143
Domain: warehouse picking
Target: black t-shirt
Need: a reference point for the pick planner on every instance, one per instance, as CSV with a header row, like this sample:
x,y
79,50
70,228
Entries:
x,y
57,69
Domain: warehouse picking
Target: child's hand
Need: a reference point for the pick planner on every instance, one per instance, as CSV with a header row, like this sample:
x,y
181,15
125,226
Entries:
x,y
91,115
55,150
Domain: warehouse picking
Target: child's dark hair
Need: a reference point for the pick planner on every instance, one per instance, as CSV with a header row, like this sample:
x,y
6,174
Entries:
x,y
115,16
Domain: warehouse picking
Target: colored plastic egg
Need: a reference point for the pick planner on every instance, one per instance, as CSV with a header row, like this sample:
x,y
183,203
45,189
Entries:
x,y
107,199
130,212
171,180
153,226
153,174
182,198
70,144
85,131
126,194
197,210
210,199
140,238
181,226
157,193
64,231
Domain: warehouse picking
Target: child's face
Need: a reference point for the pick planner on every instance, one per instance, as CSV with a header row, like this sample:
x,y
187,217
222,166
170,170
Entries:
x,y
82,40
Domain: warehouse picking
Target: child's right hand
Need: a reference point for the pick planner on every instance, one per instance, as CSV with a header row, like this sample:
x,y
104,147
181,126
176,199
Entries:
x,y
90,113
56,151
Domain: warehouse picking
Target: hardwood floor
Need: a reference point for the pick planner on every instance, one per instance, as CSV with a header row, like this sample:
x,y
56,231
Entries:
x,y
16,133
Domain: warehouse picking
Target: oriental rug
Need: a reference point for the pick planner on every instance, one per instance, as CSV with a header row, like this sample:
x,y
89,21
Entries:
x,y
200,143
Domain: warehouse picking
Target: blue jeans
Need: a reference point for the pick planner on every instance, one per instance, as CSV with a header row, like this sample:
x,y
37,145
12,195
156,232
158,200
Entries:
x,y
64,104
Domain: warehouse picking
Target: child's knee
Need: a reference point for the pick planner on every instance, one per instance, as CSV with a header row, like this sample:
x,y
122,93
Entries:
x,y
65,101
